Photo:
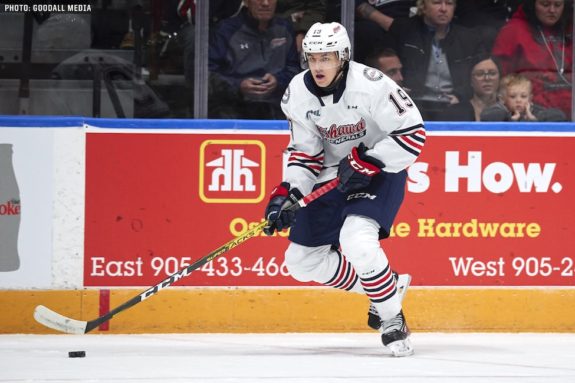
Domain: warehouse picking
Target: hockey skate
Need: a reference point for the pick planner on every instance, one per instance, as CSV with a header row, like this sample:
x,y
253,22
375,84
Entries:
x,y
402,282
395,335
394,332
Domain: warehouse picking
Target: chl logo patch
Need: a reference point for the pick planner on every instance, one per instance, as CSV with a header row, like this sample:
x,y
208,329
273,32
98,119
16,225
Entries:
x,y
372,74
232,171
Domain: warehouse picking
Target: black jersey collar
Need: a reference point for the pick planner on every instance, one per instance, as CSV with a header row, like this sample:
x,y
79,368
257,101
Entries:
x,y
319,92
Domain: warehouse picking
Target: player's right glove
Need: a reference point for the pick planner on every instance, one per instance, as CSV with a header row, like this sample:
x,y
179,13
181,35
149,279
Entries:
x,y
357,169
281,198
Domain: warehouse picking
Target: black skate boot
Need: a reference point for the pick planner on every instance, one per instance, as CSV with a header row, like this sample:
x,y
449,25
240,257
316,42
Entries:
x,y
395,335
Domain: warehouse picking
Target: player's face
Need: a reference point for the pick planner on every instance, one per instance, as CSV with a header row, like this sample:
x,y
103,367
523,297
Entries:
x,y
323,67
549,11
517,97
438,12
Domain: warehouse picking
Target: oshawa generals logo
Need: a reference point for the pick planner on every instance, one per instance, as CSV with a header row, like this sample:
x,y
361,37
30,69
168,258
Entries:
x,y
336,134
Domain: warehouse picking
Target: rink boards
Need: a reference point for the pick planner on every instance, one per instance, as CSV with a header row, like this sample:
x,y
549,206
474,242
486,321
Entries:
x,y
110,207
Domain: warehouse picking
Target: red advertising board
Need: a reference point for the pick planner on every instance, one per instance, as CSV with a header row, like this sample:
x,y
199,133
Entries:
x,y
479,210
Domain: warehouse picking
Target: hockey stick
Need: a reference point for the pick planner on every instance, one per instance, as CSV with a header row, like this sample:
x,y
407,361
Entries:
x,y
59,322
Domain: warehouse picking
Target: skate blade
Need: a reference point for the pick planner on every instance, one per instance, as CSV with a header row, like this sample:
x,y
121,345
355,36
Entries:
x,y
401,348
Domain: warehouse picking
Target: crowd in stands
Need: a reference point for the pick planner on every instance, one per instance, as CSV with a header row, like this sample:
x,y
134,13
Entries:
x,y
458,60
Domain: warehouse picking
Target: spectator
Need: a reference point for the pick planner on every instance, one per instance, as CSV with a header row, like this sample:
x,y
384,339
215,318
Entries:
x,y
517,103
387,61
369,33
437,55
176,38
485,77
252,58
537,42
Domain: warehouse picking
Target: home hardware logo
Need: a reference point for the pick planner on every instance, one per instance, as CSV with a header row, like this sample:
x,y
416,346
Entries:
x,y
232,171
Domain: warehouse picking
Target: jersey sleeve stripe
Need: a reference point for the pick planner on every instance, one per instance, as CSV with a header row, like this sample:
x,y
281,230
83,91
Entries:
x,y
313,163
408,130
406,147
294,154
413,142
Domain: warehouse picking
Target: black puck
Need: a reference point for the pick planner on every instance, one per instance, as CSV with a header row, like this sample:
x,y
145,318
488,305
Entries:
x,y
76,354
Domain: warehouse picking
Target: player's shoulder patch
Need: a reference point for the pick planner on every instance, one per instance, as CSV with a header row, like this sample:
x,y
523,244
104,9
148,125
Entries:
x,y
372,74
285,97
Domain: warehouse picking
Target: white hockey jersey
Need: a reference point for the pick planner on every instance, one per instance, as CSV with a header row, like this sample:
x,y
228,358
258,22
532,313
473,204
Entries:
x,y
366,107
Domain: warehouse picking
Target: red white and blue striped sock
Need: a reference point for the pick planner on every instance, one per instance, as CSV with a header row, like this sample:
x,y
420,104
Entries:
x,y
345,277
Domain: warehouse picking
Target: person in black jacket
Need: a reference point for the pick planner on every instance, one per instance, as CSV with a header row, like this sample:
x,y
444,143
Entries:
x,y
437,54
252,59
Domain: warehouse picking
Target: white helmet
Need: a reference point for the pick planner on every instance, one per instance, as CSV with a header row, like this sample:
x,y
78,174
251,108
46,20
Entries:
x,y
328,37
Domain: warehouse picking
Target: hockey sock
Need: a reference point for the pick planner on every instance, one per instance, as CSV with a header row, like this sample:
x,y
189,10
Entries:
x,y
345,277
382,292
359,238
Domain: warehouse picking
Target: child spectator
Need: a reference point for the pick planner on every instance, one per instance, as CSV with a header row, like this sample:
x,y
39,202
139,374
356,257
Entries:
x,y
516,103
537,42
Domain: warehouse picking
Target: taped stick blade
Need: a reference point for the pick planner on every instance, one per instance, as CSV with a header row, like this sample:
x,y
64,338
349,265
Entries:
x,y
58,322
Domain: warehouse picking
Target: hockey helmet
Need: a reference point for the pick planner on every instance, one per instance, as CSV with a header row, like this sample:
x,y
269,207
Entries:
x,y
327,37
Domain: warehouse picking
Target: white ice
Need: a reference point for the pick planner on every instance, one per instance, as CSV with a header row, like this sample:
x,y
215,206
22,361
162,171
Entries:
x,y
287,358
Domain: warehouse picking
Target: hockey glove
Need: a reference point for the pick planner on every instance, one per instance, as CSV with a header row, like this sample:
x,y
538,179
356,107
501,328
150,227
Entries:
x,y
281,198
357,169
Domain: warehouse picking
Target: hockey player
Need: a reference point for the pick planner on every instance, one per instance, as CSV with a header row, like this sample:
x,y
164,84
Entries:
x,y
351,121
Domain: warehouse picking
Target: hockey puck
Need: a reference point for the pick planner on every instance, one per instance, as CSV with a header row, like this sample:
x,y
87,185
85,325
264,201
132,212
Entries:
x,y
76,354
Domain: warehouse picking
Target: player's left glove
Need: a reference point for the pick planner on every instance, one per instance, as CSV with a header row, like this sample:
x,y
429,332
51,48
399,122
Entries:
x,y
282,197
357,169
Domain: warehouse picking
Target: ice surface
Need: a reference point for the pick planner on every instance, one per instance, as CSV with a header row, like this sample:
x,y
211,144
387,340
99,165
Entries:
x,y
287,358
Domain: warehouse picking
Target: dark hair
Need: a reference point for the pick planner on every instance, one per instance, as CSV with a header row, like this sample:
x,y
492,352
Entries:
x,y
495,61
564,20
375,54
